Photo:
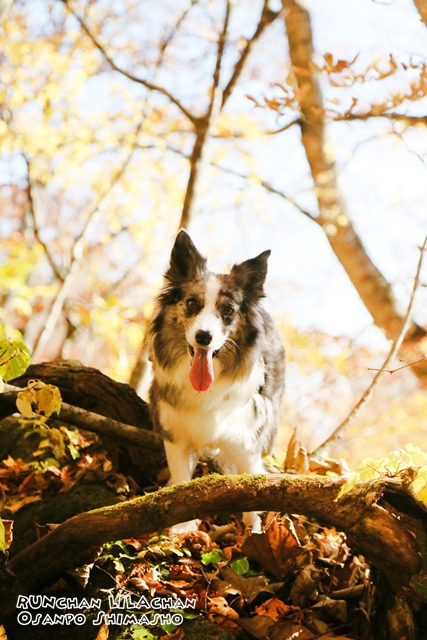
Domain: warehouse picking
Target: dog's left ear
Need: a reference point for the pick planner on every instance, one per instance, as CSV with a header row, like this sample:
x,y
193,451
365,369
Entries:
x,y
186,262
250,275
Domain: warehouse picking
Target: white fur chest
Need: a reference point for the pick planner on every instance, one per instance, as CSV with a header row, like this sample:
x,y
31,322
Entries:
x,y
204,421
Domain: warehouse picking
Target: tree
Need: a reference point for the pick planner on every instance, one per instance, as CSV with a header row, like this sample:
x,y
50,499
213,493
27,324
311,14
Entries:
x,y
155,126
121,122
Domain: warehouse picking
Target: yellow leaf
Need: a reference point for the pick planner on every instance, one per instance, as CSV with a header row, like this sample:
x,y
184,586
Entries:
x,y
49,400
16,506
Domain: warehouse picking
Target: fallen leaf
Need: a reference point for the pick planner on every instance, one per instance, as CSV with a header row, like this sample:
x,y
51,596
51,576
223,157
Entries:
x,y
275,548
249,588
16,505
274,609
304,588
220,612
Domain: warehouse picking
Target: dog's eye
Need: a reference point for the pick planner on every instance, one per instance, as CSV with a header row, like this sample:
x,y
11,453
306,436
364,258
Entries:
x,y
227,310
191,305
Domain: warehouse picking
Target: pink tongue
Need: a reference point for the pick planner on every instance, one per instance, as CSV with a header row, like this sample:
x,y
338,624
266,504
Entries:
x,y
201,372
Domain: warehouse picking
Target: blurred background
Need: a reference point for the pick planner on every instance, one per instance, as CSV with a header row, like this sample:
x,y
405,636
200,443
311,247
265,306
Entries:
x,y
295,126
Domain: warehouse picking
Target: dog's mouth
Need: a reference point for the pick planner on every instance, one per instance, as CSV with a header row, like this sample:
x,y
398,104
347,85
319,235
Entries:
x,y
201,370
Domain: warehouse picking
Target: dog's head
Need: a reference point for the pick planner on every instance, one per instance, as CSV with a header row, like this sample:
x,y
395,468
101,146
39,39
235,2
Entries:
x,y
213,310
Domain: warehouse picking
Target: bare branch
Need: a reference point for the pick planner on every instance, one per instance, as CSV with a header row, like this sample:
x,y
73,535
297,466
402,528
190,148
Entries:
x,y
338,432
400,117
181,14
267,17
92,422
267,186
128,75
34,217
77,258
404,366
284,128
203,130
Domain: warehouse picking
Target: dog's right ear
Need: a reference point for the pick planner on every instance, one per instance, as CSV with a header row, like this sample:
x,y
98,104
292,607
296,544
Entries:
x,y
186,263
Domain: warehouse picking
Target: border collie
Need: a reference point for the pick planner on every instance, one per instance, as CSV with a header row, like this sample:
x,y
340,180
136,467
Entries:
x,y
218,367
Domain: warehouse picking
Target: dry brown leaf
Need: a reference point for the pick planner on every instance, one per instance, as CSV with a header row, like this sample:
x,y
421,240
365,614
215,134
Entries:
x,y
249,588
275,548
305,586
220,612
274,609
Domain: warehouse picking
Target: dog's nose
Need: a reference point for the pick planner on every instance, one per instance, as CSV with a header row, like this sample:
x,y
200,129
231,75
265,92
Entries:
x,y
203,338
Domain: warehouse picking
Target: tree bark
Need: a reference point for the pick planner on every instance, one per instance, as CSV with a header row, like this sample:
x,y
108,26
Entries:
x,y
374,290
383,534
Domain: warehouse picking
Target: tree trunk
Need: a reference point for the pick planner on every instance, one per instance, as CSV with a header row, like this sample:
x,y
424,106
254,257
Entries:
x,y
374,290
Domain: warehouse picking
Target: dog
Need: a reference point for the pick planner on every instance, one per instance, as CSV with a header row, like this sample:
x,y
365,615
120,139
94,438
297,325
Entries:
x,y
218,367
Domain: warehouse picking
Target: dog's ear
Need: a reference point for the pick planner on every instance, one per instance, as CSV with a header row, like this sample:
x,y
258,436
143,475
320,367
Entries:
x,y
250,275
186,262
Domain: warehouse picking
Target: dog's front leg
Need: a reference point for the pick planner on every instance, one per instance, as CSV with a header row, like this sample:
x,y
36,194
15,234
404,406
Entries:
x,y
181,465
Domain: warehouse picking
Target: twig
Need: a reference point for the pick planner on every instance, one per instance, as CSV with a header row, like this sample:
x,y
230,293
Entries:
x,y
33,214
77,258
408,364
268,187
128,75
337,433
267,17
203,130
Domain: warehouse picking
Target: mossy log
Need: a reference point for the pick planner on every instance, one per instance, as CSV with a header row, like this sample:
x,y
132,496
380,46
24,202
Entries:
x,y
387,537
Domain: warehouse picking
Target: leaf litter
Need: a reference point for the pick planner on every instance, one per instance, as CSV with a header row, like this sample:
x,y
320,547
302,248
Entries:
x,y
273,585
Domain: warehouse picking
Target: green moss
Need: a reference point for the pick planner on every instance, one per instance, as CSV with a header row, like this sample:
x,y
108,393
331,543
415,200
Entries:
x,y
200,628
419,585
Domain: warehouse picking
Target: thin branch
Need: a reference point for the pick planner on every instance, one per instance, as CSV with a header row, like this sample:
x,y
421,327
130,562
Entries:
x,y
180,15
337,433
128,75
77,258
284,128
203,130
369,114
267,186
93,422
267,17
33,214
404,366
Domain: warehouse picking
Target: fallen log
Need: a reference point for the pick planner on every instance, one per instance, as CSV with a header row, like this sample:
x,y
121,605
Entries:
x,y
387,539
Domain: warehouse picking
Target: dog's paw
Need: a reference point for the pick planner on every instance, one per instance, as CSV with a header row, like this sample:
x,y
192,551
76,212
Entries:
x,y
252,522
184,527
